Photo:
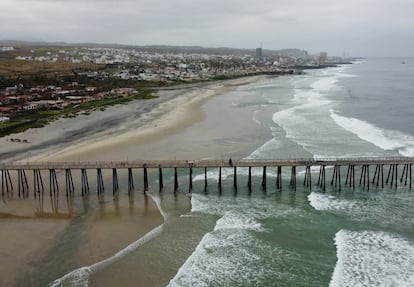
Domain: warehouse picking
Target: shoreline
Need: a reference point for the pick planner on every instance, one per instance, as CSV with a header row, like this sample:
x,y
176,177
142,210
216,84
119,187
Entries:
x,y
152,122
173,111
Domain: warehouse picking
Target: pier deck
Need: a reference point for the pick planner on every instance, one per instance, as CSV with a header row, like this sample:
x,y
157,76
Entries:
x,y
204,163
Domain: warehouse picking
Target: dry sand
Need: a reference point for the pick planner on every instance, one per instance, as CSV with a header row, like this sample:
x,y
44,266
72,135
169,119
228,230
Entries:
x,y
170,119
160,129
121,131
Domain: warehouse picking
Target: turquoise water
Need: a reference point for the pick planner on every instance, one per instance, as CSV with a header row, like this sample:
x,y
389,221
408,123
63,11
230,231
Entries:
x,y
311,238
294,237
303,238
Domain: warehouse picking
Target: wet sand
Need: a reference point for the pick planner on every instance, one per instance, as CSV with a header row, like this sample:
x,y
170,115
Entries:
x,y
156,135
36,246
171,127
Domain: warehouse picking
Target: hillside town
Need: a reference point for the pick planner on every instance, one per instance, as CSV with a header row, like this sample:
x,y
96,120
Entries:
x,y
128,69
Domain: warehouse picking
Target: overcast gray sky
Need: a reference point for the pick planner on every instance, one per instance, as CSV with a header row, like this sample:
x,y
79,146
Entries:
x,y
359,27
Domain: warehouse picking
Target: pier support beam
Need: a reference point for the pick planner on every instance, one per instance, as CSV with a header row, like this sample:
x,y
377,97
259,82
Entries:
x,y
205,179
235,178
322,177
190,180
54,186
379,173
146,185
70,187
307,181
54,190
279,178
115,185
293,178
99,181
249,180
264,176
389,173
392,175
37,183
175,179
219,179
85,182
160,180
22,184
336,177
130,180
405,174
364,179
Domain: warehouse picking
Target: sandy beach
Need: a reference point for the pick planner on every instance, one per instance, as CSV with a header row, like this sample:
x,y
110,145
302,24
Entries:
x,y
120,131
153,138
170,127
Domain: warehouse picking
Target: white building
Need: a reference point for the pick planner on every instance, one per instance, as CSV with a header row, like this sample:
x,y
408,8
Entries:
x,y
7,49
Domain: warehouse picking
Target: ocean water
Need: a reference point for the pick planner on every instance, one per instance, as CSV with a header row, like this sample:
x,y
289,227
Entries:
x,y
312,238
294,237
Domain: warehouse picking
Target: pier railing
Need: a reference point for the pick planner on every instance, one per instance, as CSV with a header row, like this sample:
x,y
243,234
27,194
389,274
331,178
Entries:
x,y
205,163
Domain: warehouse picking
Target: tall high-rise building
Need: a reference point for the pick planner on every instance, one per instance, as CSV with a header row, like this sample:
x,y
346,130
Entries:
x,y
259,54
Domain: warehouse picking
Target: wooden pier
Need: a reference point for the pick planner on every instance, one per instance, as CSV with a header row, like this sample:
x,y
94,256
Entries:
x,y
391,166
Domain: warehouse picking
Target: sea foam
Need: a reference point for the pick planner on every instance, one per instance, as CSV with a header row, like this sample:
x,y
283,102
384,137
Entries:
x,y
222,258
305,120
384,139
80,276
247,208
321,201
227,255
368,258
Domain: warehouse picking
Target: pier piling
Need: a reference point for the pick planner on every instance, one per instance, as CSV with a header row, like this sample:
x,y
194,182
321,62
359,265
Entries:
x,y
146,185
350,177
190,184
70,187
205,179
307,181
160,179
23,186
322,178
336,177
100,182
115,185
235,178
279,178
54,190
15,173
364,178
249,180
219,179
37,183
85,182
396,175
264,176
130,180
293,178
175,179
